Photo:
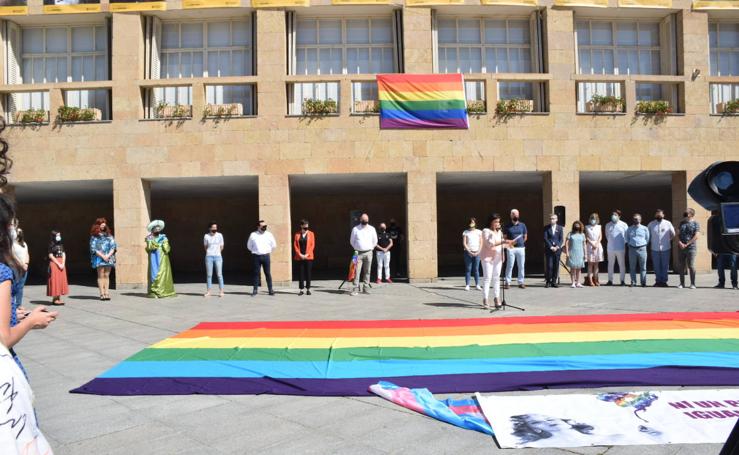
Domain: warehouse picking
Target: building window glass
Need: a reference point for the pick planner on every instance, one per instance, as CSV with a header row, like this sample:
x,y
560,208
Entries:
x,y
484,45
298,93
722,94
89,99
606,47
239,96
206,49
344,46
64,54
724,45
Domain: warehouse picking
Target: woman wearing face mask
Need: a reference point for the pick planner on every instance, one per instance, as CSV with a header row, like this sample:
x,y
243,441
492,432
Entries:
x,y
57,285
304,244
161,282
102,254
575,252
593,249
213,244
492,258
472,241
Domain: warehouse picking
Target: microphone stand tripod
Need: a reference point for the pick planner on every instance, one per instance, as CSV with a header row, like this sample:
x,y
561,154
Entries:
x,y
503,304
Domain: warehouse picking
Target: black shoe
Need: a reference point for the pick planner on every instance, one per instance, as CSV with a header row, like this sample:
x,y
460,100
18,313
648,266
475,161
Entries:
x,y
271,292
308,292
555,285
254,292
623,283
644,285
610,283
719,286
546,285
301,292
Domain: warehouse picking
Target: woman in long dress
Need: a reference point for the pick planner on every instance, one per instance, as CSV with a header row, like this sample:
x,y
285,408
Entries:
x,y
593,249
161,283
57,285
575,251
492,257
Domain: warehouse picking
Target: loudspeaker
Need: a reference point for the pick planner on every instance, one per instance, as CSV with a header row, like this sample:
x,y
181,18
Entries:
x,y
561,213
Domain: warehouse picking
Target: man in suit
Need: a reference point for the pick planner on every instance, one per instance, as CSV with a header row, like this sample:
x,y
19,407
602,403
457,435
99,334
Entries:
x,y
553,239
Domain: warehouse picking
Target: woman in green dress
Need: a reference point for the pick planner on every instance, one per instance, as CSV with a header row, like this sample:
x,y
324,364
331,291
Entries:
x,y
161,283
575,252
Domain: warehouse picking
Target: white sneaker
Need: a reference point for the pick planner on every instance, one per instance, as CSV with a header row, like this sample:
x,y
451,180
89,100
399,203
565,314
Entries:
x,y
466,288
573,285
578,285
679,286
692,286
478,287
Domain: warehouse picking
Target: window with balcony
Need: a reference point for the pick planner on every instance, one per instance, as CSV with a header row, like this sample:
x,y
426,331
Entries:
x,y
725,99
313,98
486,45
723,40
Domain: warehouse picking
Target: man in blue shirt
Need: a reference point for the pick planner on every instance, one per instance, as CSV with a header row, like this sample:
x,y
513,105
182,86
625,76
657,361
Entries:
x,y
515,230
637,238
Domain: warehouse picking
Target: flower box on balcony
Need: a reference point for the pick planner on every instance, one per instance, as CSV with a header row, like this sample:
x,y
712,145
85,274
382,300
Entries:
x,y
728,107
657,107
165,111
366,107
476,107
31,116
607,104
223,110
515,106
67,114
316,107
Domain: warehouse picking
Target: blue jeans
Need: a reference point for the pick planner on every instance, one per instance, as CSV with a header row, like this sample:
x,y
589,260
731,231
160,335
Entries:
x,y
724,261
661,262
262,261
19,285
471,264
515,256
638,258
210,261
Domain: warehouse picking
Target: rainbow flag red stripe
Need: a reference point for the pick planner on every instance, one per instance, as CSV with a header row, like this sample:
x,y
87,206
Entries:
x,y
422,101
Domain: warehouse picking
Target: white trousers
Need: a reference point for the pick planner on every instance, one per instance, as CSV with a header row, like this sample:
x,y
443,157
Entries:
x,y
613,257
491,272
383,263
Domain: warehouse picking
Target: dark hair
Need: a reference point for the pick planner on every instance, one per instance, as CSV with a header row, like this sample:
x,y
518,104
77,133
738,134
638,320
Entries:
x,y
492,218
7,217
95,230
471,220
635,215
5,162
577,222
659,211
211,224
20,237
302,222
617,212
260,222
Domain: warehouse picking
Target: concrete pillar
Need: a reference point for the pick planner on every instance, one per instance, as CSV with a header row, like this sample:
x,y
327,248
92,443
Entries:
x,y
681,201
417,40
271,64
274,209
128,66
421,216
131,214
694,42
562,188
560,58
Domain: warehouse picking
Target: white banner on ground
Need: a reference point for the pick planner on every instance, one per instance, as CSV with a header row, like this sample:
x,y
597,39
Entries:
x,y
614,418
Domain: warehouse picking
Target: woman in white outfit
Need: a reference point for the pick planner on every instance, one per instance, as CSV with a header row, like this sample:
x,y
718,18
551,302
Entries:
x,y
593,249
492,257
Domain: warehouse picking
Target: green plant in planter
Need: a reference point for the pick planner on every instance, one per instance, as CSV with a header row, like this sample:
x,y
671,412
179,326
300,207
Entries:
x,y
33,116
658,107
75,114
514,106
607,102
731,107
312,106
476,107
178,111
219,111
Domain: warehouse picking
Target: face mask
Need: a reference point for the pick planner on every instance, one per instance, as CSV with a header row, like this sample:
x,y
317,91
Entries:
x,y
686,215
382,230
305,228
13,234
614,218
552,222
58,238
636,220
214,230
659,217
514,219
263,228
472,225
364,222
576,228
593,222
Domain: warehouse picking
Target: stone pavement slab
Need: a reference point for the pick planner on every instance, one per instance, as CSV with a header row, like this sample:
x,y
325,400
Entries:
x,y
91,336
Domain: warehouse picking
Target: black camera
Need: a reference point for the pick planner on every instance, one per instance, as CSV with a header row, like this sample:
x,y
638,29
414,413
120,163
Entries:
x,y
717,189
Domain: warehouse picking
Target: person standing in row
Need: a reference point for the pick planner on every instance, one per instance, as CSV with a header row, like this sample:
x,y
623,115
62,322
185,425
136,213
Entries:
x,y
102,254
491,256
471,242
637,238
688,231
161,280
213,244
553,240
396,235
20,250
727,261
575,253
516,232
364,240
57,285
384,245
304,243
261,243
593,249
616,238
661,233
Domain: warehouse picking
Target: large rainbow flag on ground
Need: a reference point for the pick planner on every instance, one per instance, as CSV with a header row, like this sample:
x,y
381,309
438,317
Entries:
x,y
422,101
444,355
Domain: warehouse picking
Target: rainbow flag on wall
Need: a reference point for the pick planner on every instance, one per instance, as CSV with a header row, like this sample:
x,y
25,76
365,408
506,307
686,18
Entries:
x,y
444,355
422,101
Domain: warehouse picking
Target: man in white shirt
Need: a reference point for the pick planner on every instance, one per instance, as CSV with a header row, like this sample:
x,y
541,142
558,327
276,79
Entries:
x,y
661,233
364,241
616,238
261,243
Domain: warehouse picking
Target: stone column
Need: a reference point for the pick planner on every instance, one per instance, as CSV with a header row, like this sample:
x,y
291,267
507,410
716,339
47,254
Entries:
x,y
562,188
271,50
131,214
560,59
128,66
421,232
274,209
417,40
694,44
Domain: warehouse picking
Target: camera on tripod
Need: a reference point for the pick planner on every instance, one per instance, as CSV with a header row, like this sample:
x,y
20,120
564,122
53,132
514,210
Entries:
x,y
717,189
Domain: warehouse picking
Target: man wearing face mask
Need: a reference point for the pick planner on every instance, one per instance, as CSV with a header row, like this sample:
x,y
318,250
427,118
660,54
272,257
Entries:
x,y
688,231
661,233
261,243
637,238
616,238
213,244
553,240
516,231
364,240
384,245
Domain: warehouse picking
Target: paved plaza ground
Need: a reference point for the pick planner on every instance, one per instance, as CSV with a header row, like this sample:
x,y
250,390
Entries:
x,y
91,336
